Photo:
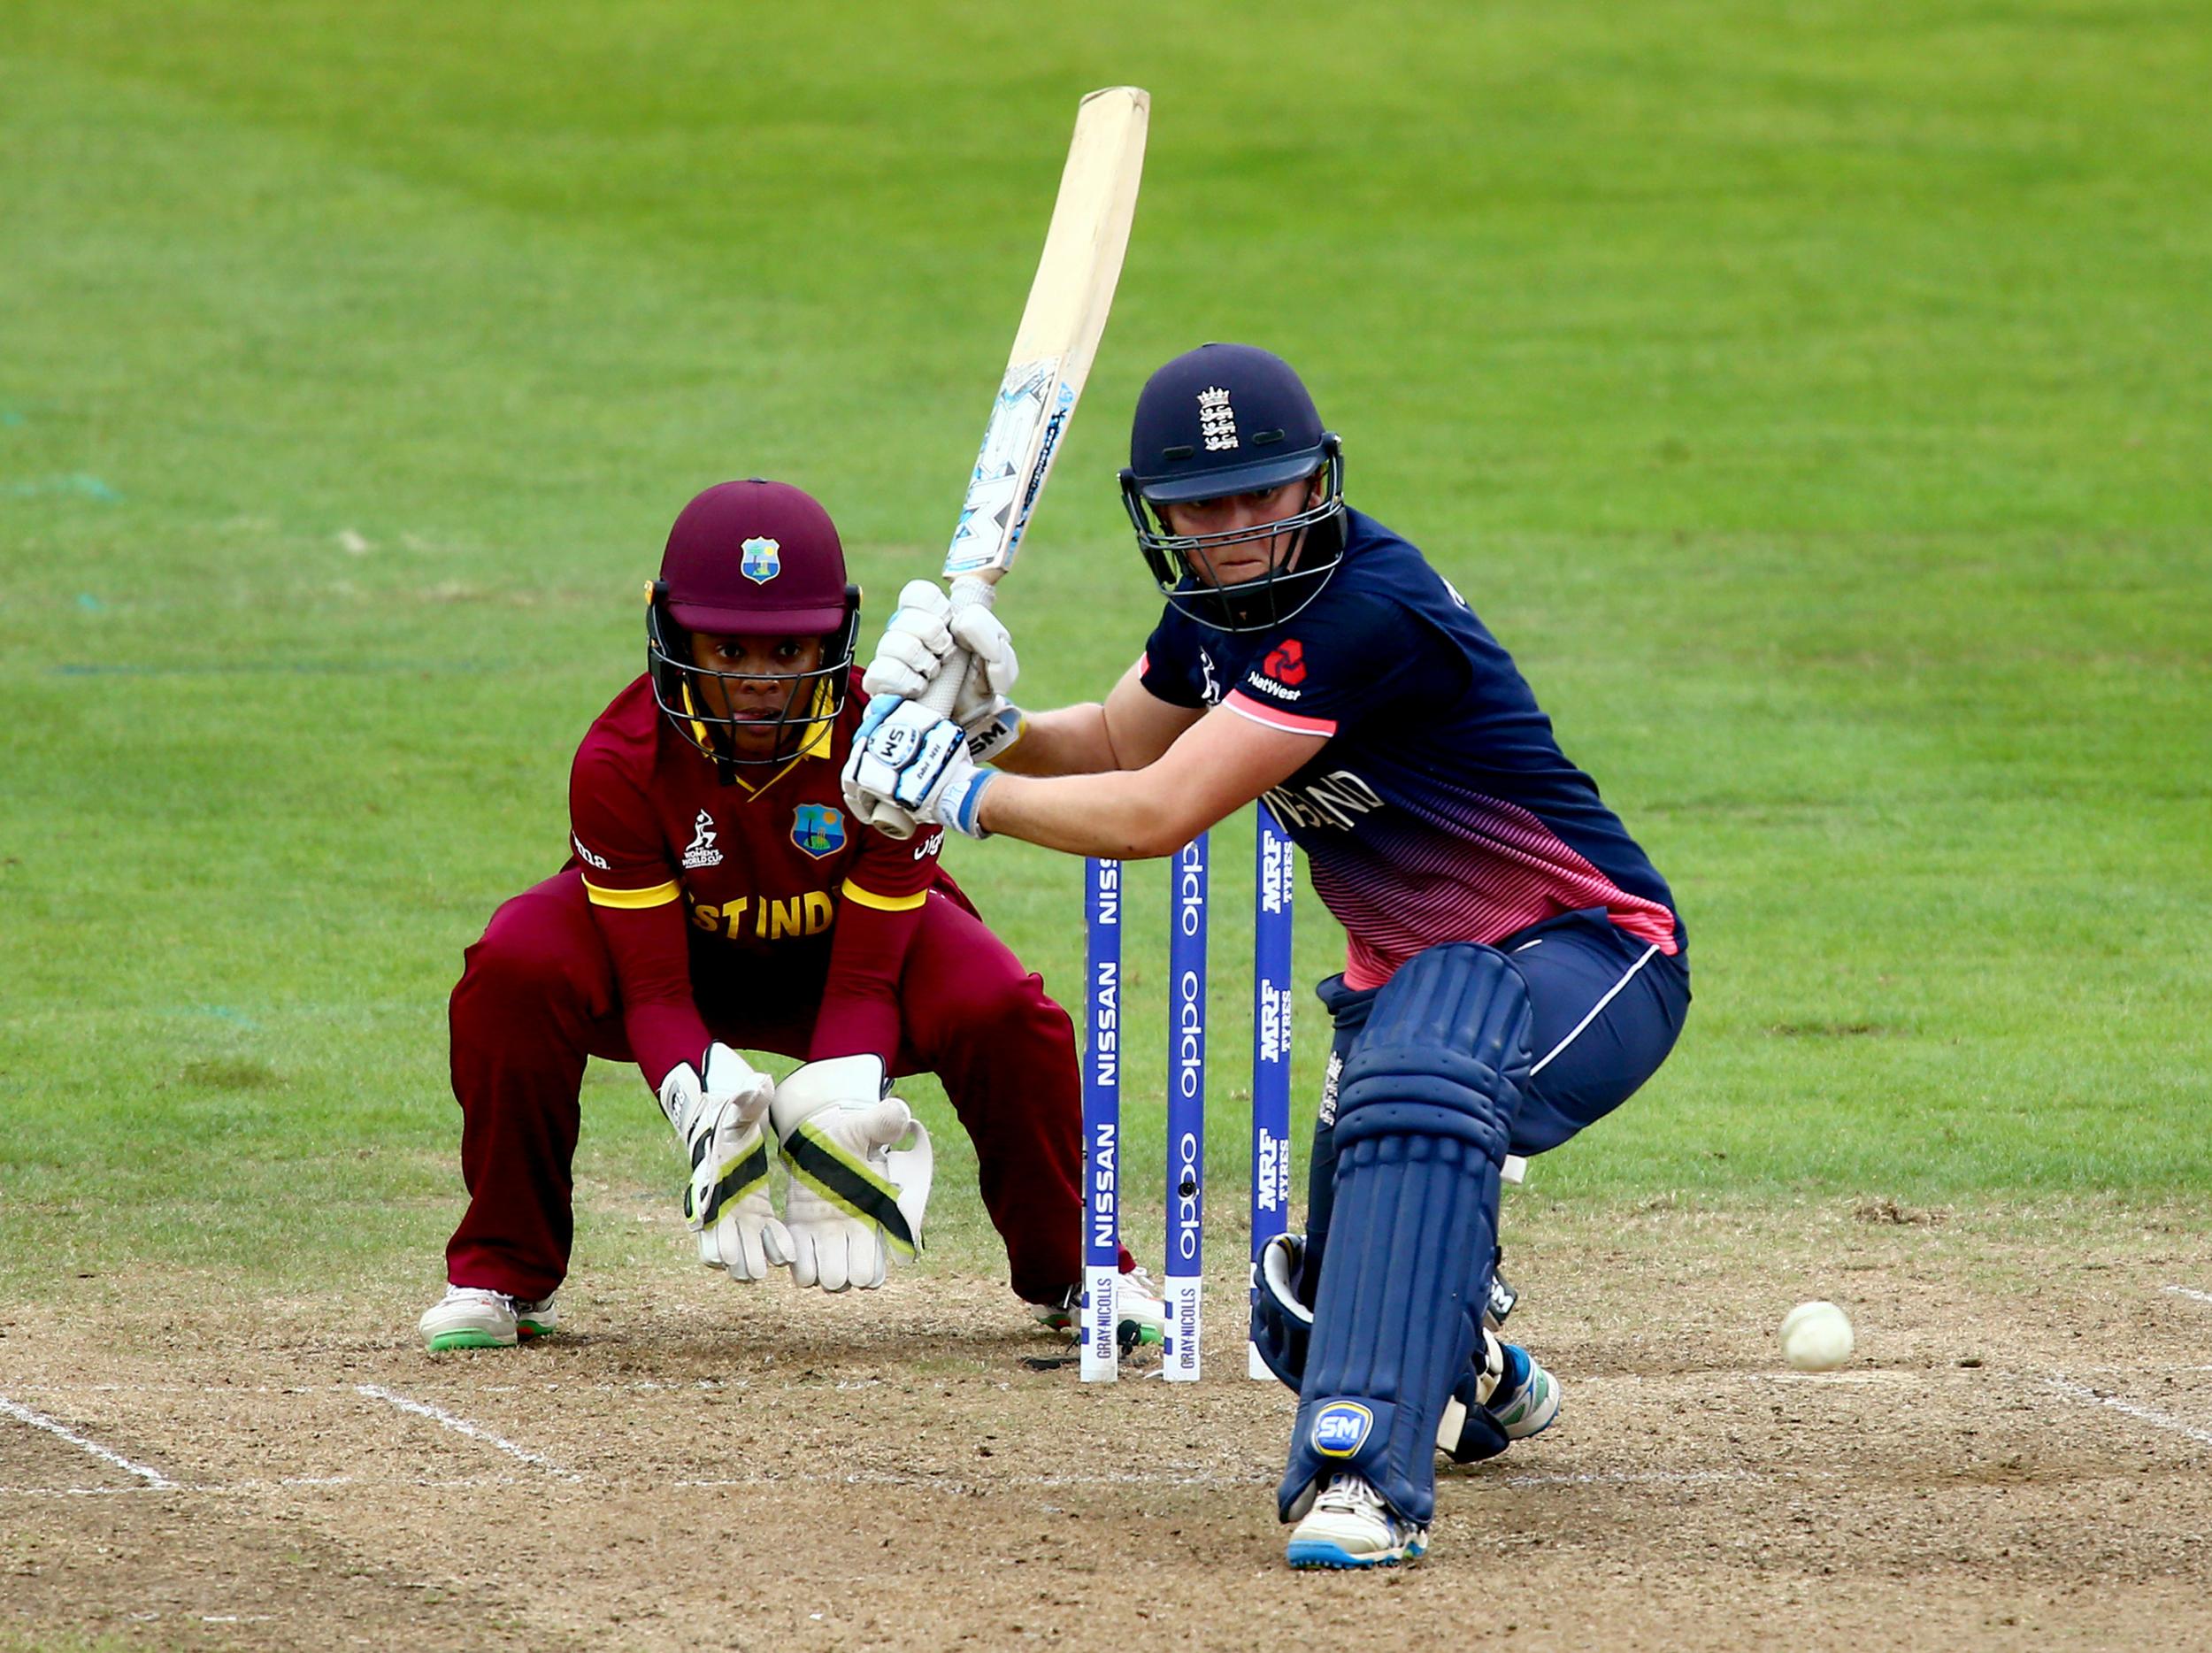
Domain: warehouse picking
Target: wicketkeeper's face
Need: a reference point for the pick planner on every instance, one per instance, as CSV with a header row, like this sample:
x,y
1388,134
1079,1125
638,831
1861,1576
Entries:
x,y
1235,561
754,682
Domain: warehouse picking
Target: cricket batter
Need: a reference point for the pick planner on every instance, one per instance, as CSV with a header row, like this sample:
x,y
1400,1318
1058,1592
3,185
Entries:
x,y
718,896
1514,970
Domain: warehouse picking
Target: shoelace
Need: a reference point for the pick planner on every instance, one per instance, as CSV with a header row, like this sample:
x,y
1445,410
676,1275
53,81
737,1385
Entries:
x,y
1350,1494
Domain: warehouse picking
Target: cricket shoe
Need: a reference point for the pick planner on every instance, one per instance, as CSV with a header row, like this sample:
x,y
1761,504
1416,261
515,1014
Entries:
x,y
1141,1314
1508,1397
1525,1401
1350,1526
468,1317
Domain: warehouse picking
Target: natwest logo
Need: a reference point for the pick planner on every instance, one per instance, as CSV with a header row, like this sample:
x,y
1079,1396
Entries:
x,y
1286,662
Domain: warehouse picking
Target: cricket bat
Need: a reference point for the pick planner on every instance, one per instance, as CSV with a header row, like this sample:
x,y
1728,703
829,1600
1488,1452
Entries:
x,y
1067,301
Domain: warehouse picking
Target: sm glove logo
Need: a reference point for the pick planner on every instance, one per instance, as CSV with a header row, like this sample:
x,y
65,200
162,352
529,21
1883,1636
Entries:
x,y
1340,1428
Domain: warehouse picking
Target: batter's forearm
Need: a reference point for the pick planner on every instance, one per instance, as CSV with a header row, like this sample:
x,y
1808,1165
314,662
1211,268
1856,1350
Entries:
x,y
1088,814
1066,741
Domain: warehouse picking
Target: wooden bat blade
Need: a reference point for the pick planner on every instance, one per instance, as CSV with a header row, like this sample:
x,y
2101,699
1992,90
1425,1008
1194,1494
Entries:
x,y
1068,299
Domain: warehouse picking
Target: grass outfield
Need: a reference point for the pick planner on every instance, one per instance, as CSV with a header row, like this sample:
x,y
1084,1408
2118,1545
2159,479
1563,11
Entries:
x,y
1815,403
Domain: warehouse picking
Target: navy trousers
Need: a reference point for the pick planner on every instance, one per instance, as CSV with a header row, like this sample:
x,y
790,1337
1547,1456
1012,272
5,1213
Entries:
x,y
1605,1008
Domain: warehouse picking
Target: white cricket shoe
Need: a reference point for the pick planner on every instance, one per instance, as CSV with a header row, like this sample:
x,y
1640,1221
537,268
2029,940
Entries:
x,y
1350,1526
1521,1397
1140,1312
1527,1398
468,1317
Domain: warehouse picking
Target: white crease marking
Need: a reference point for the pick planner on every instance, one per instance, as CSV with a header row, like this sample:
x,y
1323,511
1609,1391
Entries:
x,y
153,1477
2088,1396
2190,1291
948,1483
637,1386
246,1488
462,1425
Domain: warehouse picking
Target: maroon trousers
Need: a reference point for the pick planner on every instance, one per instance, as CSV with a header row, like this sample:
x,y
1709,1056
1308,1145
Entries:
x,y
537,996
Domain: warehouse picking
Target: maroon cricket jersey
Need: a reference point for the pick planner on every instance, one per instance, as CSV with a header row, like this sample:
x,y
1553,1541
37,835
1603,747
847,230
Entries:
x,y
700,883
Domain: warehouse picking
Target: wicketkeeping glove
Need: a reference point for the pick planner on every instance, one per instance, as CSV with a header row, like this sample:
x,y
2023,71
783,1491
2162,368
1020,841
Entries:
x,y
716,1119
860,1165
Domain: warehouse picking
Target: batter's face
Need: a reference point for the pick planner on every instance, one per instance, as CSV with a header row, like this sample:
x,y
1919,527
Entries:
x,y
757,677
1233,563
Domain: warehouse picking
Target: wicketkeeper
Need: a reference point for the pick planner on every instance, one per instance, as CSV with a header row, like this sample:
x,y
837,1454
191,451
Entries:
x,y
718,897
1514,970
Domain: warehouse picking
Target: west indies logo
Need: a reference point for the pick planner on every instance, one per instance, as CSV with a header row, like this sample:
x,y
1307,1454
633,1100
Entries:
x,y
1286,662
760,560
818,830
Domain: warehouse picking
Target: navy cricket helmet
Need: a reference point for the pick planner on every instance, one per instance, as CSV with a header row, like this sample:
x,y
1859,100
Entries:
x,y
751,559
1224,419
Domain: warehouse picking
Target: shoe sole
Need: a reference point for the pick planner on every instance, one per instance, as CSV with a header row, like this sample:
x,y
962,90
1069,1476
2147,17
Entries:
x,y
446,1341
526,1332
1316,1553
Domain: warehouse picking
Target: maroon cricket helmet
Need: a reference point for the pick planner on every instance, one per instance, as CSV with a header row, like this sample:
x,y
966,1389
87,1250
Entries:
x,y
755,557
751,559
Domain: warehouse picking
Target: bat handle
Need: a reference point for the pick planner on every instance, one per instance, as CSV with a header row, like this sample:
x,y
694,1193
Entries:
x,y
967,591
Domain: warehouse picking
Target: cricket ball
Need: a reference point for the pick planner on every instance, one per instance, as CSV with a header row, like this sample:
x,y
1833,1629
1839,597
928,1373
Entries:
x,y
1815,1337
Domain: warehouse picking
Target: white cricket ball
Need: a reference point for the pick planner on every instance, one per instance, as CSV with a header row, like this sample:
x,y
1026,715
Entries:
x,y
1817,1337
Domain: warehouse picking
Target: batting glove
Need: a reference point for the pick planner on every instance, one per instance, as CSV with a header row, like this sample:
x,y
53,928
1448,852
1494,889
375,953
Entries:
x,y
867,808
717,1116
908,757
860,1166
930,634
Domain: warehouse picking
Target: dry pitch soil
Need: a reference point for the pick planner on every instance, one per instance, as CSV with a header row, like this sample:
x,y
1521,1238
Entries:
x,y
2017,1457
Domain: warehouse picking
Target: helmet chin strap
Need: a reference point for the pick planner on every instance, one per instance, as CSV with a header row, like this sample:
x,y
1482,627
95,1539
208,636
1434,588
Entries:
x,y
698,729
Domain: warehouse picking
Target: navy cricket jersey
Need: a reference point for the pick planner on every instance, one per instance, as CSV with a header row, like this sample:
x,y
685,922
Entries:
x,y
1438,806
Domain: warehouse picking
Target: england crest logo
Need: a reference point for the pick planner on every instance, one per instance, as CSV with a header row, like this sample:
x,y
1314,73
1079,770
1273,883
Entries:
x,y
818,830
1216,420
762,561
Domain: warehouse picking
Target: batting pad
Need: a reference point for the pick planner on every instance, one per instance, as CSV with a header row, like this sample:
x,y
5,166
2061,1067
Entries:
x,y
1427,1104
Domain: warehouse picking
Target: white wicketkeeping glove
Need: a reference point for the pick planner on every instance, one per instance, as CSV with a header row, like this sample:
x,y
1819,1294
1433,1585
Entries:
x,y
860,1166
929,634
716,1119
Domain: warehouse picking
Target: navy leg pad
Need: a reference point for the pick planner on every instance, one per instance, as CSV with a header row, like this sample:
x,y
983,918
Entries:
x,y
1281,1322
1426,1103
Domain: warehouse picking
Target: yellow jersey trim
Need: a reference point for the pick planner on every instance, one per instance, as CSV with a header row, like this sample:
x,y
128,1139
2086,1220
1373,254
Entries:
x,y
883,903
825,721
659,896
